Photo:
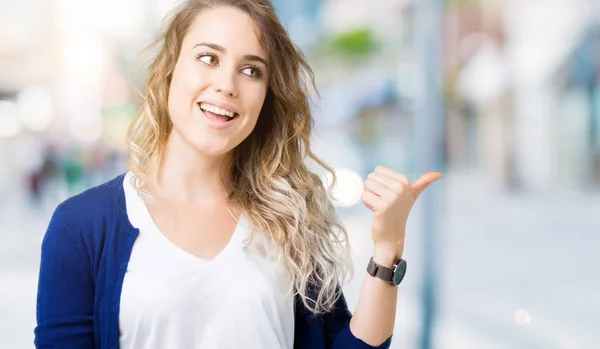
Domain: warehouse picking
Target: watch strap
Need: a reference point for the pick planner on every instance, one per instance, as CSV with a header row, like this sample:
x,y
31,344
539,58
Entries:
x,y
384,273
380,271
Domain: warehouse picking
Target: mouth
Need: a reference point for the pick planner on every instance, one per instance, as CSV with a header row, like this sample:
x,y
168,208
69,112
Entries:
x,y
217,114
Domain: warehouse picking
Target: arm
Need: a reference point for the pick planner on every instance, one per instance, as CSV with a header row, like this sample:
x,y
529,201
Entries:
x,y
338,333
391,196
65,298
375,314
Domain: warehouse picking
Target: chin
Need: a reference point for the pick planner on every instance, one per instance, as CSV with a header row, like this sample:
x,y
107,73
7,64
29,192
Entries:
x,y
205,141
213,148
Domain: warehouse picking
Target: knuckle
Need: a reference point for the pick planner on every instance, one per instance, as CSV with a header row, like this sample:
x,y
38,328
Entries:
x,y
405,187
398,187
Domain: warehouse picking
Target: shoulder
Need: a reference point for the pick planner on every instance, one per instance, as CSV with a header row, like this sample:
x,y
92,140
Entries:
x,y
76,234
87,217
102,201
82,222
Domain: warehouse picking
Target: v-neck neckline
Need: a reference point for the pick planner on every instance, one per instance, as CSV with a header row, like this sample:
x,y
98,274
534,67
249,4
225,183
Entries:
x,y
147,223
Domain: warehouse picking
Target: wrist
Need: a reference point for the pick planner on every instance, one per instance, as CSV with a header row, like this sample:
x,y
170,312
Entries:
x,y
386,254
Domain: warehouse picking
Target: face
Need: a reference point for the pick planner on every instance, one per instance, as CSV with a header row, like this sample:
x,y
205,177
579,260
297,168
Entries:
x,y
219,82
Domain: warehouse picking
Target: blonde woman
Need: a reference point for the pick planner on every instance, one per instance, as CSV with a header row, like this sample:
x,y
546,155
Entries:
x,y
219,236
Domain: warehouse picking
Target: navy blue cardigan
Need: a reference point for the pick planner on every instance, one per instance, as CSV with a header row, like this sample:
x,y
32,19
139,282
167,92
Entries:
x,y
85,252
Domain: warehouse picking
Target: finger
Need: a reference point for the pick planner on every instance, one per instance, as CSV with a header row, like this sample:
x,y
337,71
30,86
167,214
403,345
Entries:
x,y
390,183
372,201
423,182
379,189
392,174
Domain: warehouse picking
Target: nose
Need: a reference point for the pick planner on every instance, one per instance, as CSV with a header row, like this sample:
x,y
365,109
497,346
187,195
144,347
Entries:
x,y
225,83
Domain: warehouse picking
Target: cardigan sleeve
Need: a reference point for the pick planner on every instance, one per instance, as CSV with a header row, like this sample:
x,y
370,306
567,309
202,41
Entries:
x,y
65,296
337,329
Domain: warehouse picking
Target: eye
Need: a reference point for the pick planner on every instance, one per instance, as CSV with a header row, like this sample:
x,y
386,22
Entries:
x,y
208,58
253,72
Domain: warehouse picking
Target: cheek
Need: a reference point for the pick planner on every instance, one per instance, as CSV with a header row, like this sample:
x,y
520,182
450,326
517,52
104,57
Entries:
x,y
183,90
174,101
184,85
257,100
187,78
175,92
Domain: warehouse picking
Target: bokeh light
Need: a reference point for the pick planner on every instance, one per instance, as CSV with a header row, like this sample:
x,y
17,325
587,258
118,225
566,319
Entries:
x,y
9,119
35,108
87,127
348,188
522,317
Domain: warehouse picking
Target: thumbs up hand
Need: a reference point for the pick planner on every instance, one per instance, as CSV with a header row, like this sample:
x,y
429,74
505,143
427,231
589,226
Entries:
x,y
391,196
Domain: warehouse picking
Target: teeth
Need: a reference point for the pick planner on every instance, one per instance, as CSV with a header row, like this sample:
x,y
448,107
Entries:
x,y
216,110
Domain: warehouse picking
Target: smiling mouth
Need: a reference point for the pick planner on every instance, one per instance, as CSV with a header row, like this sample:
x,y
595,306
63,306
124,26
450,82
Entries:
x,y
216,113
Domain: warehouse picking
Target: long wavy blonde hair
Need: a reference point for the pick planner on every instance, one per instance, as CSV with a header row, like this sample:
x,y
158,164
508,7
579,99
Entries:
x,y
268,177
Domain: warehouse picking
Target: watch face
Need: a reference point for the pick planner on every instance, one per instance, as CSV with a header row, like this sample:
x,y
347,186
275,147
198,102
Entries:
x,y
399,272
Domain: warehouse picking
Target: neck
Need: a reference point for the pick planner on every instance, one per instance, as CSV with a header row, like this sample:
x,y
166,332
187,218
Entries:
x,y
187,175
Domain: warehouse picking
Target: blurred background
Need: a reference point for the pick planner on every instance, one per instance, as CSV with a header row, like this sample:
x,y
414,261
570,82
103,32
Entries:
x,y
502,96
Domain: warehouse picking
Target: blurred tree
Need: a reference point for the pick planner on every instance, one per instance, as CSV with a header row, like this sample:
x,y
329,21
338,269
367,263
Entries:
x,y
359,41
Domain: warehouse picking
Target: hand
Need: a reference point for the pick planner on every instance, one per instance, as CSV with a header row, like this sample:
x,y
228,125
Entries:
x,y
391,196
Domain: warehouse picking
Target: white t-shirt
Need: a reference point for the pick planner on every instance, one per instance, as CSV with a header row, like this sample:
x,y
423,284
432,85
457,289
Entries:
x,y
172,299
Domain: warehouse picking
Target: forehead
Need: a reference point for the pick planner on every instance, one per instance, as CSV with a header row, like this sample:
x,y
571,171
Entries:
x,y
228,27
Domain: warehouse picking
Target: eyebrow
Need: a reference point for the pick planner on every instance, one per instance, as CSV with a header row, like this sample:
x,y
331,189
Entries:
x,y
222,49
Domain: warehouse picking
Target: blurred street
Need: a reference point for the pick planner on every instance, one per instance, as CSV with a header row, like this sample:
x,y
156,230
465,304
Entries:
x,y
522,246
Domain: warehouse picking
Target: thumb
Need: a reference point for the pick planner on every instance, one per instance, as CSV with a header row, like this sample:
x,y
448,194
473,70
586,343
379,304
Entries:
x,y
423,182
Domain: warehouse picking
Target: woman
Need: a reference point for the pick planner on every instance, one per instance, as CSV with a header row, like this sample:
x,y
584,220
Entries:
x,y
219,236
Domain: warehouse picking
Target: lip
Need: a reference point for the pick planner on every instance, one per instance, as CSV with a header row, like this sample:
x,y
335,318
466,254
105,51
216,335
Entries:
x,y
221,105
217,125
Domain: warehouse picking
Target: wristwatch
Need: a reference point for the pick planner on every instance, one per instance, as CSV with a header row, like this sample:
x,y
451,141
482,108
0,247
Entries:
x,y
393,275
